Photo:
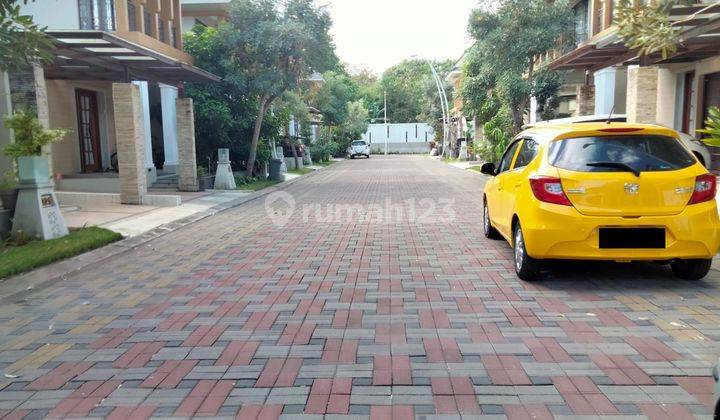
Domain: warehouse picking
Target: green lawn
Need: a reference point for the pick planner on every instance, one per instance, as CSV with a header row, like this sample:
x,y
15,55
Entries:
x,y
15,259
301,171
257,185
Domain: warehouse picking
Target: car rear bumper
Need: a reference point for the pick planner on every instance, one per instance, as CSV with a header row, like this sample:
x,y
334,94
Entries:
x,y
552,231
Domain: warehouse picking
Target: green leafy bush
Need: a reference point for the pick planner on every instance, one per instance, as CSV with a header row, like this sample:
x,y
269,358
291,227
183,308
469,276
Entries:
x,y
712,127
29,135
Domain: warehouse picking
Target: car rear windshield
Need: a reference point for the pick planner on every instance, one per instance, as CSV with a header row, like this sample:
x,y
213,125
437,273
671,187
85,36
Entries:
x,y
358,143
618,153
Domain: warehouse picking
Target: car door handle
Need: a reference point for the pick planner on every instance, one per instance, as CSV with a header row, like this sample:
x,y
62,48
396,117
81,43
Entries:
x,y
518,185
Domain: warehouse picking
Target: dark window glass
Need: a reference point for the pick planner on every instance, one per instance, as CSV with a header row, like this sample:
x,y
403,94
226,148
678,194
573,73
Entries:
x,y
508,157
147,19
132,16
173,37
358,143
641,153
527,153
161,30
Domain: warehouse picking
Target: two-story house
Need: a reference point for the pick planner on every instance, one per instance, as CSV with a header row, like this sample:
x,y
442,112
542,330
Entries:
x,y
115,82
675,91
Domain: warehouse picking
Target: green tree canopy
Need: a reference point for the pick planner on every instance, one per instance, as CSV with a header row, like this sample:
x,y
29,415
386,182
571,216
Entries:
x,y
332,97
273,46
500,72
411,91
21,40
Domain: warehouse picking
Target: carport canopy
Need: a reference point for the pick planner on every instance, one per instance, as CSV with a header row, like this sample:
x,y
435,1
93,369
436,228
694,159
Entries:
x,y
99,55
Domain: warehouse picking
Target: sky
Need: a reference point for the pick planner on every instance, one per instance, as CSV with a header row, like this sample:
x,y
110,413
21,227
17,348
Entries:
x,y
376,34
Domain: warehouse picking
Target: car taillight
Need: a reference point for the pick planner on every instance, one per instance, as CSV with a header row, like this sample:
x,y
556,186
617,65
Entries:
x,y
549,190
705,189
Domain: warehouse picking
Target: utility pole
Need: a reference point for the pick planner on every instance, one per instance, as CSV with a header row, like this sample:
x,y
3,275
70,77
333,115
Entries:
x,y
387,134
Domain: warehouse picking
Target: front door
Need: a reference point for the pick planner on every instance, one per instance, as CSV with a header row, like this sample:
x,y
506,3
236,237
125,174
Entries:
x,y
88,131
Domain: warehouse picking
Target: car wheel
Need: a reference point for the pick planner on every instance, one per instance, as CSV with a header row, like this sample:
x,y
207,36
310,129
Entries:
x,y
526,267
367,156
691,269
352,156
488,229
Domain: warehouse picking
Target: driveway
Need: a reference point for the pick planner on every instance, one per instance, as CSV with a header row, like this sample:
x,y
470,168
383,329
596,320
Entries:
x,y
367,289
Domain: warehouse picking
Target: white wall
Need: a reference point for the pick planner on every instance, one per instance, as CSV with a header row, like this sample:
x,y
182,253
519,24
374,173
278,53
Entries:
x,y
187,23
400,133
55,14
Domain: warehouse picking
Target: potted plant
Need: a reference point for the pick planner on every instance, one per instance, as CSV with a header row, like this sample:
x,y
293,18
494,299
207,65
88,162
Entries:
x,y
29,137
712,127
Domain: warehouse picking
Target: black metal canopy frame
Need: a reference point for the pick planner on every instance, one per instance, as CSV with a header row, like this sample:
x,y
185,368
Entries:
x,y
99,55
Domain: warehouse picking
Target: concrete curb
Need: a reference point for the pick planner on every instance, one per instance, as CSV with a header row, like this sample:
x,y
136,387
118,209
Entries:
x,y
14,289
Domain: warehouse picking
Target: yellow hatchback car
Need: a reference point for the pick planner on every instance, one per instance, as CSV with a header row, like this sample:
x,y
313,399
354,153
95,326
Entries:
x,y
599,191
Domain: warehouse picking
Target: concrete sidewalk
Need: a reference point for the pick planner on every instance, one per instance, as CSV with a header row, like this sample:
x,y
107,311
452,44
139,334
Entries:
x,y
131,220
134,220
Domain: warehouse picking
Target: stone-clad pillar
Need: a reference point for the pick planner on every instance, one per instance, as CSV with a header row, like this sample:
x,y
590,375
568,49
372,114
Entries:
x,y
585,100
43,112
187,166
642,94
130,138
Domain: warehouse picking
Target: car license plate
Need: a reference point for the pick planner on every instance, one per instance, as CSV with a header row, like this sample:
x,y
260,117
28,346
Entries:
x,y
632,238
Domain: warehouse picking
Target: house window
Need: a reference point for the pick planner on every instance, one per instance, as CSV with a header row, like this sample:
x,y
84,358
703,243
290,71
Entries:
x,y
173,36
582,24
97,14
161,30
132,16
147,19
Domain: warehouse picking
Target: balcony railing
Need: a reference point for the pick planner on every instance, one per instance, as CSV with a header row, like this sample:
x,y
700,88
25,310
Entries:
x,y
97,14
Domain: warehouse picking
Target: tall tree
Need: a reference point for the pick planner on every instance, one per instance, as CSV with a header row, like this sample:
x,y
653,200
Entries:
x,y
21,40
276,45
223,111
411,91
333,96
501,69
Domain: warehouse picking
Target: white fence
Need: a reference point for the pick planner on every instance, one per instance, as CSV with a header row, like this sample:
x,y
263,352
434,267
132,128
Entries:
x,y
399,133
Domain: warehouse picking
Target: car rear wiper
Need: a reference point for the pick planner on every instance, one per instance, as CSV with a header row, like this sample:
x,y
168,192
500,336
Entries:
x,y
616,165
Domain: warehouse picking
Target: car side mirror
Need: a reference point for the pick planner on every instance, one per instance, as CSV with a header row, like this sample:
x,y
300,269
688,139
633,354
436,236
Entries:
x,y
488,169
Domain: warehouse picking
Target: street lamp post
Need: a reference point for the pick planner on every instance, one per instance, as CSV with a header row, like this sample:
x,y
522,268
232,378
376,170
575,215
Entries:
x,y
443,102
387,133
443,105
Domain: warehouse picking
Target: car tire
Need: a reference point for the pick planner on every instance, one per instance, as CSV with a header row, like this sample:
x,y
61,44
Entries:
x,y
367,156
526,267
691,269
352,156
489,231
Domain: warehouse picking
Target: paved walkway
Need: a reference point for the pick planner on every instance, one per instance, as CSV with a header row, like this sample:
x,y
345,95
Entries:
x,y
410,314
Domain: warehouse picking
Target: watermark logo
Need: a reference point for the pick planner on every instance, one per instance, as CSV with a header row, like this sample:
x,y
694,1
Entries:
x,y
281,206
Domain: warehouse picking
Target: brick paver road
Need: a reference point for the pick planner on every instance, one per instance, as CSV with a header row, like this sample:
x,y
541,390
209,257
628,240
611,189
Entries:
x,y
404,315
